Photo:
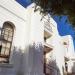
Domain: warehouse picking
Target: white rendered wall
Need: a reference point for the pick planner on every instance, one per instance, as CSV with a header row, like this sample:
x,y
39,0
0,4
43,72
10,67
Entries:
x,y
35,50
29,34
27,58
11,11
70,47
69,51
58,49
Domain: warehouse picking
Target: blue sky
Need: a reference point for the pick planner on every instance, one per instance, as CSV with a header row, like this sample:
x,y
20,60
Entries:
x,y
63,27
24,3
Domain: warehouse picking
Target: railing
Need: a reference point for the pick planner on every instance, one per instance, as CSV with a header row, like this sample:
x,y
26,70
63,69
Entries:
x,y
47,24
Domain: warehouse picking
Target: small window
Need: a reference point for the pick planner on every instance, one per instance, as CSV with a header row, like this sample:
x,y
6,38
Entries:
x,y
66,66
6,41
45,39
65,43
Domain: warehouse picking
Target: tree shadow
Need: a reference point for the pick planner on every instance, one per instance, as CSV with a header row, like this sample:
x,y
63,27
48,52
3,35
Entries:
x,y
17,60
29,62
52,68
73,68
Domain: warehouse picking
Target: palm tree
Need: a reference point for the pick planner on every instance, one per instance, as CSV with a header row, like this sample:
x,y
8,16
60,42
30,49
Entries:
x,y
58,7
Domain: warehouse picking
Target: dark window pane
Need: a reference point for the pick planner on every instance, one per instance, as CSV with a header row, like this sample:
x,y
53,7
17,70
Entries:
x,y
5,37
3,51
7,51
3,44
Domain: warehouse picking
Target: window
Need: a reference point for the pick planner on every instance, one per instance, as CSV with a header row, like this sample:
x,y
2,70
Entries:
x,y
66,66
6,42
45,39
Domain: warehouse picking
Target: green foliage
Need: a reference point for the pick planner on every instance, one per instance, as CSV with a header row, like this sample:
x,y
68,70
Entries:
x,y
58,7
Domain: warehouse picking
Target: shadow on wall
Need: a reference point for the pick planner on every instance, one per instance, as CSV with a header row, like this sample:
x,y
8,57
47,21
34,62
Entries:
x,y
17,60
14,66
29,62
52,68
73,68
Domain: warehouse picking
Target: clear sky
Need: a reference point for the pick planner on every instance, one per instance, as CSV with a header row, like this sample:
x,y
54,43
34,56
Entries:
x,y
24,3
64,28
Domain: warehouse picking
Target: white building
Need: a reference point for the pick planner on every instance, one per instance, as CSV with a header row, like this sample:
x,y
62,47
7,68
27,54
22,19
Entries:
x,y
29,40
69,53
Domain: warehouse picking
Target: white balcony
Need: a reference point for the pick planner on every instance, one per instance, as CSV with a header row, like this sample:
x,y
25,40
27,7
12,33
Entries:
x,y
47,47
48,27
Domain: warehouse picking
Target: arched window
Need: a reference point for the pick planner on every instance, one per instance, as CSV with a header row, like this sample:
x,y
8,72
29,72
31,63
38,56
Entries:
x,y
6,41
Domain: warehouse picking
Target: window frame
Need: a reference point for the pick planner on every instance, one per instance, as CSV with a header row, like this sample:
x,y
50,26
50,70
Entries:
x,y
11,27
